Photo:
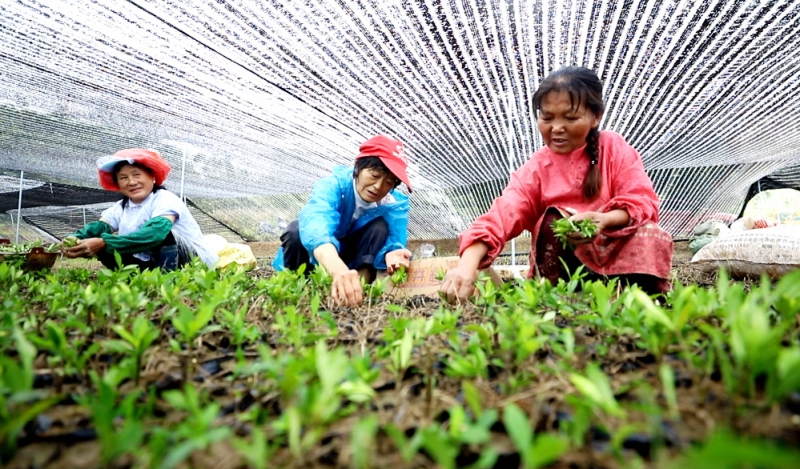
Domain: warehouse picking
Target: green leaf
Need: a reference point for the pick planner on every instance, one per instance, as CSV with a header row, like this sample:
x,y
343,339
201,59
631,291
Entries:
x,y
407,448
724,450
518,428
668,382
362,440
10,427
473,397
546,449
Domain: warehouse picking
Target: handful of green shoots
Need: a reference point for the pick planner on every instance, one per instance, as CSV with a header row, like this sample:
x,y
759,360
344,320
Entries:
x,y
69,242
25,248
563,226
400,276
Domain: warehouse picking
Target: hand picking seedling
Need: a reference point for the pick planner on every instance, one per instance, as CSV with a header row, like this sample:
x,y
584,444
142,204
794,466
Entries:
x,y
400,276
563,227
69,242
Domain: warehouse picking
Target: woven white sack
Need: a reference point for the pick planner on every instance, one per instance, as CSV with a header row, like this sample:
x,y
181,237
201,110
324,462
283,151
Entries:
x,y
774,251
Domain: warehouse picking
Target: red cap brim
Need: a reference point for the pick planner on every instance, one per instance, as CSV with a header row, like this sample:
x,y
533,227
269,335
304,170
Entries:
x,y
398,169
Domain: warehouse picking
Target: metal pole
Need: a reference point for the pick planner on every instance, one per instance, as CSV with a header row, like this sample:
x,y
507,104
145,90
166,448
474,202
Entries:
x,y
511,169
84,216
19,206
183,173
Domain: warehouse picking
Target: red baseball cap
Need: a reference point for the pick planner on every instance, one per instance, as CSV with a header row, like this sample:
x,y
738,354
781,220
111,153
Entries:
x,y
391,153
149,158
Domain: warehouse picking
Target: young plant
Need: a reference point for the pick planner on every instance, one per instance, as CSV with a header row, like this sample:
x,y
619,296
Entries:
x,y
407,447
564,226
725,450
375,289
196,432
190,324
134,343
19,403
401,356
258,451
71,352
534,452
596,388
362,441
115,440
400,276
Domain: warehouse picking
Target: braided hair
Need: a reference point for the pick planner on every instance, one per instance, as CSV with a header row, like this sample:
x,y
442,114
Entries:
x,y
584,88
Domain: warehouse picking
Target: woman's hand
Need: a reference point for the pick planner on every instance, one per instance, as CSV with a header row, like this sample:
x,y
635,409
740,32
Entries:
x,y
395,259
610,219
459,283
346,288
85,248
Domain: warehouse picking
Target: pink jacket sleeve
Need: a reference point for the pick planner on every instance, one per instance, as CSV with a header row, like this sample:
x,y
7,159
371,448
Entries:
x,y
631,189
510,214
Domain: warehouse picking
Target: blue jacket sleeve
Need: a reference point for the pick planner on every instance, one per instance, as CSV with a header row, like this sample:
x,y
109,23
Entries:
x,y
320,217
397,219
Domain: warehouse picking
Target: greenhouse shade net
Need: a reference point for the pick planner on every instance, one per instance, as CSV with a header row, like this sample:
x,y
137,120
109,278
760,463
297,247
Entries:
x,y
251,102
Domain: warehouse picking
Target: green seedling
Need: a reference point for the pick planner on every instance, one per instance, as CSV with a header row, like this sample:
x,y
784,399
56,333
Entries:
x,y
400,276
191,324
362,440
24,248
258,451
375,289
725,450
667,376
197,431
134,343
19,403
69,242
596,387
242,332
407,447
115,440
470,362
534,452
440,273
401,356
70,352
564,226
440,446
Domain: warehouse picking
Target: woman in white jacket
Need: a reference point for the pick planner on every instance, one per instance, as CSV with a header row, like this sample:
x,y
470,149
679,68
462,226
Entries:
x,y
150,227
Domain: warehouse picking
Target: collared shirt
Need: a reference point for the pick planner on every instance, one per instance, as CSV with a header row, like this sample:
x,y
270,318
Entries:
x,y
361,205
159,204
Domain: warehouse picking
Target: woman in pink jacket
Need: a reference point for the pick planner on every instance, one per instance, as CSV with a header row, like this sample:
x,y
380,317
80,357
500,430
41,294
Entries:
x,y
582,173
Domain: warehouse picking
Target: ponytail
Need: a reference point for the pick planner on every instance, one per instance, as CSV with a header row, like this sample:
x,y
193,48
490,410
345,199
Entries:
x,y
591,183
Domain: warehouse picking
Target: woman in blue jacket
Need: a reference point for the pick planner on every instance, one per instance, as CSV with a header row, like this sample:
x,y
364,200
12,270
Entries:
x,y
355,222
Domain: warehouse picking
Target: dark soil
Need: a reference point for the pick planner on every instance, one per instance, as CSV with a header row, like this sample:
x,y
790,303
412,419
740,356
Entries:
x,y
63,437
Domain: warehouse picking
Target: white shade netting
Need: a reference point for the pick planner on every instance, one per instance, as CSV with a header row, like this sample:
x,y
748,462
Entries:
x,y
252,101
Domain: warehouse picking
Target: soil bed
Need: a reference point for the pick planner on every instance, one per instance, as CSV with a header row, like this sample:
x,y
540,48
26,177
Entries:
x,y
461,363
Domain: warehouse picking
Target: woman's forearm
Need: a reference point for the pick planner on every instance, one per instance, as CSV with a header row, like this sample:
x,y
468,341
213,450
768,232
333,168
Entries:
x,y
473,255
328,257
616,218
